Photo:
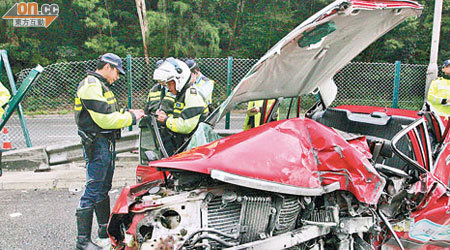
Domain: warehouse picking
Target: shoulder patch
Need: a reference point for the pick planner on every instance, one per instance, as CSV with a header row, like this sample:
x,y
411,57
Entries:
x,y
91,80
193,91
178,105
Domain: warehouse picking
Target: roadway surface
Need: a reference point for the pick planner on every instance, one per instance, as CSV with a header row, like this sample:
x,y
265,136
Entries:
x,y
40,219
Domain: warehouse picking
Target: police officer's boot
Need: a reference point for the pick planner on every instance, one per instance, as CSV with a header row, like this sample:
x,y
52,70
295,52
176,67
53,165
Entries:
x,y
102,211
84,226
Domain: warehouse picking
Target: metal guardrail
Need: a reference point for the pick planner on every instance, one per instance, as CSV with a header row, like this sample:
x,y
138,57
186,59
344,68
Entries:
x,y
59,154
41,158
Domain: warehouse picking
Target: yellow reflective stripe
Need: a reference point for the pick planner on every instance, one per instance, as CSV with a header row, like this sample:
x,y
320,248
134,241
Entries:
x,y
169,98
178,111
153,94
78,106
179,125
170,124
154,99
111,100
115,120
108,94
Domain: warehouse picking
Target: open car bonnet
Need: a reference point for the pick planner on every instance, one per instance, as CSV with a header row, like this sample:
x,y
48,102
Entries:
x,y
311,54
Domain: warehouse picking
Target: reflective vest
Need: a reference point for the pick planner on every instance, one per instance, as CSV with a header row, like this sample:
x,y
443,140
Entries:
x,y
96,107
155,102
205,87
253,120
439,94
188,110
4,98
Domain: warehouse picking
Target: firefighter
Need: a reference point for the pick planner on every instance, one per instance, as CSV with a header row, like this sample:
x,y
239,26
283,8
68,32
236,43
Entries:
x,y
99,121
439,92
159,97
256,114
204,85
4,98
190,107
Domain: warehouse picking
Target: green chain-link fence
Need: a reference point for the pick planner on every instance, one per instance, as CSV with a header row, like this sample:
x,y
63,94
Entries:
x,y
49,104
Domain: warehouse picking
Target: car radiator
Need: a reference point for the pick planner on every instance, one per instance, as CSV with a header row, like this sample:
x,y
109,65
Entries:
x,y
247,216
288,215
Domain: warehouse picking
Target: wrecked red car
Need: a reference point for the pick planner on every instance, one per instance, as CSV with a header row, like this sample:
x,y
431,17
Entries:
x,y
349,177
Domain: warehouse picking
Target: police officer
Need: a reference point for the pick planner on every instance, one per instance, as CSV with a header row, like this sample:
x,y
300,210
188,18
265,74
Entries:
x,y
439,92
4,98
190,107
204,85
257,112
99,121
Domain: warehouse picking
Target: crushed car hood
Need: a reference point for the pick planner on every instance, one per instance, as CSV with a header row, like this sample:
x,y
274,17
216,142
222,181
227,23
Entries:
x,y
297,156
311,54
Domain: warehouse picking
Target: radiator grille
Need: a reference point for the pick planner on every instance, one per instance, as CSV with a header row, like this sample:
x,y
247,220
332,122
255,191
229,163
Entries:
x,y
254,217
288,215
224,218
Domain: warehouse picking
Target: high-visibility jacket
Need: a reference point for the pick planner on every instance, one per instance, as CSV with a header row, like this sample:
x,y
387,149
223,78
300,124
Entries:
x,y
96,108
159,97
205,87
189,108
439,95
253,120
4,98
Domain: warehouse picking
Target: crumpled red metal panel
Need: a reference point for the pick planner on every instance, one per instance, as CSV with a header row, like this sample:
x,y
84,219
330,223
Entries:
x,y
298,152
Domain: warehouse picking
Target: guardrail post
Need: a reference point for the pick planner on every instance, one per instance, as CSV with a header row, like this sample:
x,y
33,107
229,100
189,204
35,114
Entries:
x,y
229,74
130,85
396,84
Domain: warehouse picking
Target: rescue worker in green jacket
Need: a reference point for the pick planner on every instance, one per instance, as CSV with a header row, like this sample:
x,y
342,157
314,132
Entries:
x,y
439,92
204,85
190,107
99,121
159,97
257,113
4,98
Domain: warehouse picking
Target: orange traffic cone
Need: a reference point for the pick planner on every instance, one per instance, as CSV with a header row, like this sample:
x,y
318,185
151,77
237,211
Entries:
x,y
6,141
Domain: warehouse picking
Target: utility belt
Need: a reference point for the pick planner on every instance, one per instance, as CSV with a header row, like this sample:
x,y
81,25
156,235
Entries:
x,y
87,139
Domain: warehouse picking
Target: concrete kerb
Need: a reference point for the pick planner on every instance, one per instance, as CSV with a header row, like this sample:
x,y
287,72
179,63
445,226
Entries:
x,y
25,159
71,176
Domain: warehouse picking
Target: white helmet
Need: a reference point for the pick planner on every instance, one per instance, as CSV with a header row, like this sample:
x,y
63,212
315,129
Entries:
x,y
173,69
